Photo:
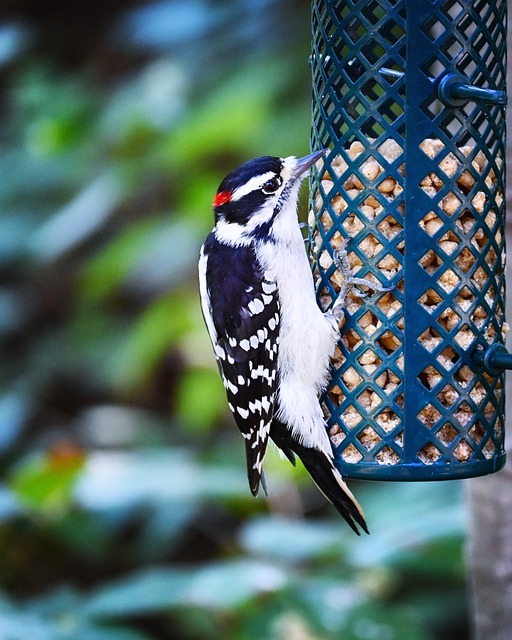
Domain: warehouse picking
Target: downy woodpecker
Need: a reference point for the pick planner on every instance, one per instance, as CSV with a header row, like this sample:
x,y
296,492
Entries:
x,y
272,342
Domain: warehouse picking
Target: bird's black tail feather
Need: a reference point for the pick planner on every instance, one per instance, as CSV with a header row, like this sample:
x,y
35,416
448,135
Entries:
x,y
255,473
327,478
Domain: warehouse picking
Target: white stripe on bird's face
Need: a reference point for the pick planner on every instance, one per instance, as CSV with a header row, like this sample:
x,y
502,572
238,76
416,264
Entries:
x,y
254,184
257,182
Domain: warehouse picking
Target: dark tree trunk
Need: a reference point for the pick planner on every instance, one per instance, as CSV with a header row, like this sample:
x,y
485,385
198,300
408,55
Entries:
x,y
489,551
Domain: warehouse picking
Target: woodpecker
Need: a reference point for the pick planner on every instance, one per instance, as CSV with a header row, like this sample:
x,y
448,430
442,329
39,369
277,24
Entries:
x,y
272,342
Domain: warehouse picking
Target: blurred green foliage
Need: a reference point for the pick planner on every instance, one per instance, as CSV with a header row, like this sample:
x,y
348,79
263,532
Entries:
x,y
124,508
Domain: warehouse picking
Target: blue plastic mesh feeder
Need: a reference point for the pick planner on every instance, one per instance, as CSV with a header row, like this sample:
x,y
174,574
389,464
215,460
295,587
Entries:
x,y
409,97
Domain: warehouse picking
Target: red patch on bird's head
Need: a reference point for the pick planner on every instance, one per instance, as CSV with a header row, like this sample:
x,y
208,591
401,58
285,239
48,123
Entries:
x,y
221,198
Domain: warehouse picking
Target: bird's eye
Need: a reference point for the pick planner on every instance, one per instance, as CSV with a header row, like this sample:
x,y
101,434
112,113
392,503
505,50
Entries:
x,y
272,185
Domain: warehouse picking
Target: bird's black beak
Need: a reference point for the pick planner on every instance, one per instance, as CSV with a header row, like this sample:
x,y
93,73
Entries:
x,y
303,164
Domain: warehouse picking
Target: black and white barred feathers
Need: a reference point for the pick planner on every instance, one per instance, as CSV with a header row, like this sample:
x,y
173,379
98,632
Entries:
x,y
245,343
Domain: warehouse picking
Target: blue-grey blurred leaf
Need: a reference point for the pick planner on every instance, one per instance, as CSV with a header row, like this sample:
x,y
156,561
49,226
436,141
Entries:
x,y
165,527
126,426
9,506
46,179
292,540
62,614
13,38
15,408
143,592
230,584
404,516
122,479
15,228
17,626
149,258
90,340
331,598
170,255
165,24
13,311
78,220
155,96
223,585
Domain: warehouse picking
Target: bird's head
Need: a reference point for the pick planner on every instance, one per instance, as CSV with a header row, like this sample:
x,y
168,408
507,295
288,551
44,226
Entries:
x,y
251,197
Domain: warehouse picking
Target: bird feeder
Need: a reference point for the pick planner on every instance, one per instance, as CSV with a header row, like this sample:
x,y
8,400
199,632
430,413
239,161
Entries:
x,y
408,95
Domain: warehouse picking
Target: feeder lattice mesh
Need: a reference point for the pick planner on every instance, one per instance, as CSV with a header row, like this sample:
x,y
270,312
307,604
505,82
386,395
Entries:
x,y
405,355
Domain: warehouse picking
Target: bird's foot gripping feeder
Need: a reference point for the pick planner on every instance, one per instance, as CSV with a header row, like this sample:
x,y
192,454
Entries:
x,y
408,95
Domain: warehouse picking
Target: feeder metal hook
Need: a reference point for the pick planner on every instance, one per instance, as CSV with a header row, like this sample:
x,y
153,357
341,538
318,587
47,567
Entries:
x,y
494,359
455,91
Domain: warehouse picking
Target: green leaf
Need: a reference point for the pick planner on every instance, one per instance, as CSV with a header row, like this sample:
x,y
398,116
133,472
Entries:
x,y
55,111
46,481
371,620
107,270
441,559
152,336
228,119
201,399
155,254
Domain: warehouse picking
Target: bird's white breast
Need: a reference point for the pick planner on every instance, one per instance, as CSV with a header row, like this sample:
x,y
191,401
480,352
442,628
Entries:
x,y
307,336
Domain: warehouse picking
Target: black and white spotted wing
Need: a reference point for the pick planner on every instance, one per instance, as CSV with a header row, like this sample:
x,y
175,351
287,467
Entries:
x,y
241,309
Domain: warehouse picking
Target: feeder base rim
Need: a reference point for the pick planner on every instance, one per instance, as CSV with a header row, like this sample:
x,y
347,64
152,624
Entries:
x,y
419,472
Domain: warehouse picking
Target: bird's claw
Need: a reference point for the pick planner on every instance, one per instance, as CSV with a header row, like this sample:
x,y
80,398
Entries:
x,y
350,283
